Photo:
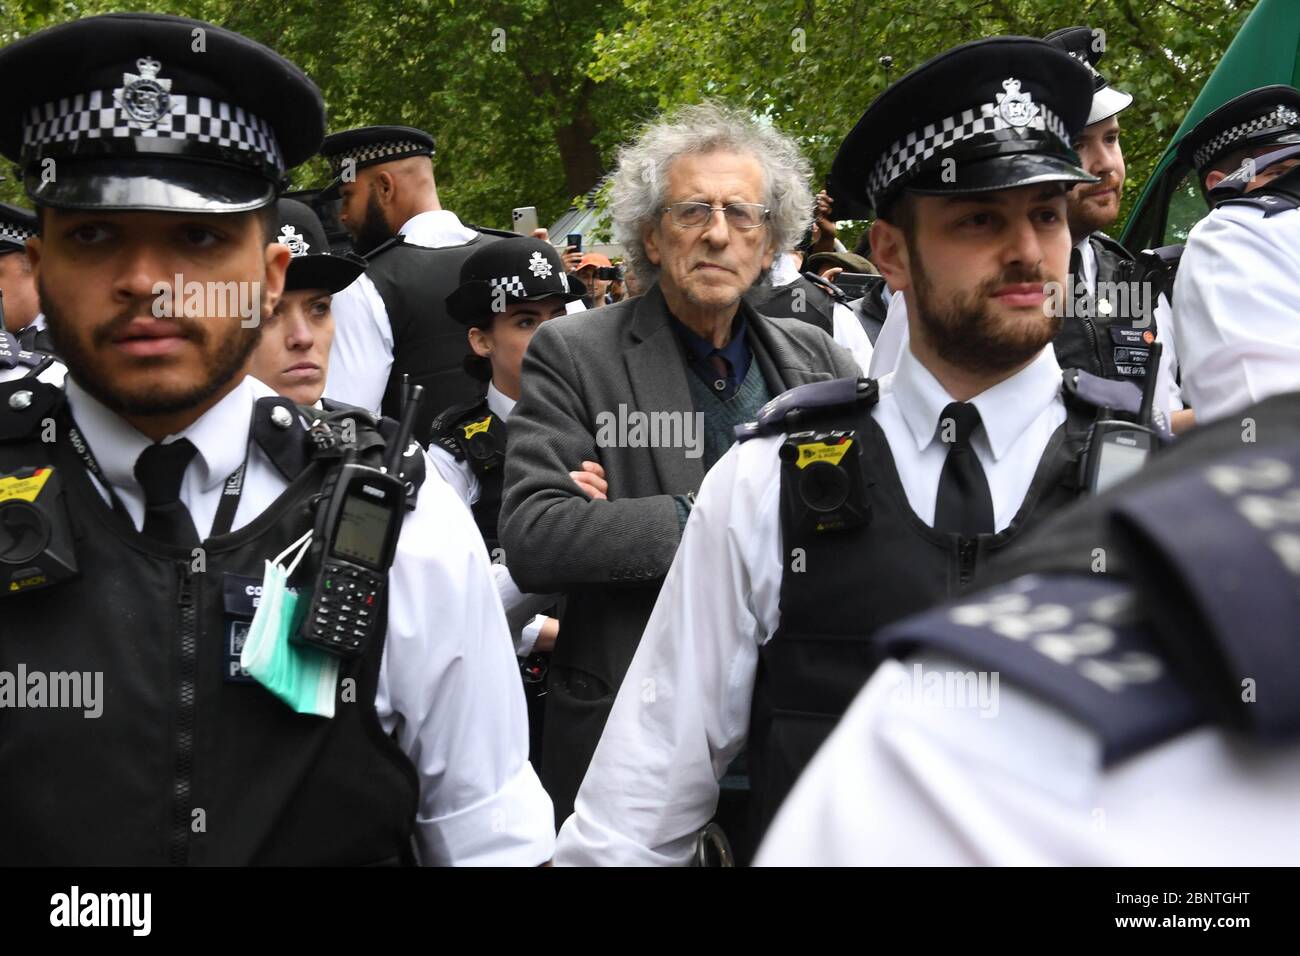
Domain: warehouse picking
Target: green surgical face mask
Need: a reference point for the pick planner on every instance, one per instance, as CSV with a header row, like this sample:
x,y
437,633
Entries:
x,y
303,677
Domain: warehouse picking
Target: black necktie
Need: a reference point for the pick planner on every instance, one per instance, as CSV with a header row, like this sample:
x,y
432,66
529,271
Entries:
x,y
159,469
964,504
1077,288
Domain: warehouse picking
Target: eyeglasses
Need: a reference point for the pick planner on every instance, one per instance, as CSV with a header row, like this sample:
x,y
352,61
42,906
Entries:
x,y
742,215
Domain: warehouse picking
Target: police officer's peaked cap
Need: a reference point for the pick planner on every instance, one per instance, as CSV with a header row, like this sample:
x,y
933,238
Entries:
x,y
1263,117
312,265
154,112
524,269
1006,111
16,227
1083,44
369,146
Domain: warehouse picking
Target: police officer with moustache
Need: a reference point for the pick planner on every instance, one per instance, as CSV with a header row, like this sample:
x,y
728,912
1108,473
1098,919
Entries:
x,y
507,290
180,478
855,503
1235,295
393,321
1106,335
1119,306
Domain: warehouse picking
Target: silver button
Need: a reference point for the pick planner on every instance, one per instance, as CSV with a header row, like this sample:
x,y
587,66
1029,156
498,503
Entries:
x,y
20,400
280,417
720,384
1103,307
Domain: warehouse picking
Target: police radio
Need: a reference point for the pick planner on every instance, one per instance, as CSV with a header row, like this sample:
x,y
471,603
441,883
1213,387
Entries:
x,y
36,549
353,544
1118,449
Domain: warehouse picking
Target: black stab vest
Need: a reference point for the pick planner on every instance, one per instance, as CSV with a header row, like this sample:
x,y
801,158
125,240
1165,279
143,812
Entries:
x,y
810,670
1112,346
816,304
474,433
428,344
187,764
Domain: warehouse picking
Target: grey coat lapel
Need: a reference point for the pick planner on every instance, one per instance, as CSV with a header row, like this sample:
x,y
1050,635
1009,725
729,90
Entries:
x,y
657,372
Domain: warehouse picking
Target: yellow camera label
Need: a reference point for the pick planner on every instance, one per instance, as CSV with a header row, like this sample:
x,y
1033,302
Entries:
x,y
24,489
821,451
474,428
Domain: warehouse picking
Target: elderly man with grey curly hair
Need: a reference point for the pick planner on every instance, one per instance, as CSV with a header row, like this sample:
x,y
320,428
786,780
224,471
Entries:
x,y
622,413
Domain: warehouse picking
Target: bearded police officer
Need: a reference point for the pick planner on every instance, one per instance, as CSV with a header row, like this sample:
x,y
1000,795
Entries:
x,y
173,481
860,502
393,321
1117,306
1236,295
1145,716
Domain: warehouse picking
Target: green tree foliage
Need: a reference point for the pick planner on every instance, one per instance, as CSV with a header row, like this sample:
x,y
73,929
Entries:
x,y
529,98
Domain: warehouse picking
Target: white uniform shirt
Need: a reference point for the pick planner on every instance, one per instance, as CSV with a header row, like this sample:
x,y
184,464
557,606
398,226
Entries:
x,y
907,779
893,337
448,684
846,330
1237,304
682,712
521,609
361,357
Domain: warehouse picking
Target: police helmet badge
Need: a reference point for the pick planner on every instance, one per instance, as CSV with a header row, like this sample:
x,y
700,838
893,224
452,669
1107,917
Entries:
x,y
1018,109
539,267
144,97
298,245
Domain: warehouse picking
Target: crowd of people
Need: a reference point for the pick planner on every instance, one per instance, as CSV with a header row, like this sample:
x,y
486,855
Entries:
x,y
465,547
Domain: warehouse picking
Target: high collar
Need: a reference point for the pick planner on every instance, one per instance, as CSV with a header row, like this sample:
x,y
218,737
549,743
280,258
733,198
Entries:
x,y
436,229
1006,409
499,404
220,434
1088,259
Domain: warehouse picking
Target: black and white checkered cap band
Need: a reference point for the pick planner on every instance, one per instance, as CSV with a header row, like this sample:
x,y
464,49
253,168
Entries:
x,y
1278,116
198,119
372,153
15,234
915,148
512,284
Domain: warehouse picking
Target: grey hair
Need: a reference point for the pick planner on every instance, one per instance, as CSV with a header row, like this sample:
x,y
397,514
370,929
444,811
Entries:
x,y
640,179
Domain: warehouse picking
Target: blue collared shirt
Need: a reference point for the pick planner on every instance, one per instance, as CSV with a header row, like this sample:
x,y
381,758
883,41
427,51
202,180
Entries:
x,y
736,352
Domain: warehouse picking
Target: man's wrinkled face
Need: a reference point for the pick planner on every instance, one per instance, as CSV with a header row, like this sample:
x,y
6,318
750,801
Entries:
x,y
361,214
1095,206
293,355
710,267
977,266
129,334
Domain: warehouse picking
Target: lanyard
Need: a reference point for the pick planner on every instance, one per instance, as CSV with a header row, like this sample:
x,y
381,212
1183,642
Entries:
x,y
232,488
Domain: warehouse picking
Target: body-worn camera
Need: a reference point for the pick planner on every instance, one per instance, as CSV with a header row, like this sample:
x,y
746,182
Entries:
x,y
36,548
821,481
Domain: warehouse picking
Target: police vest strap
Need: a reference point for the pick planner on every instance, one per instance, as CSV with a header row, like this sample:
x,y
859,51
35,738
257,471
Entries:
x,y
13,355
1098,392
1102,243
806,403
1168,256
1217,550
280,430
1075,641
25,404
1278,196
397,240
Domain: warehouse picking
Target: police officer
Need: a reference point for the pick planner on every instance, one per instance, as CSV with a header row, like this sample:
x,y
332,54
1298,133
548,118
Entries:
x,y
1118,302
859,502
1236,295
293,354
181,478
1145,716
393,322
1115,303
507,290
25,347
